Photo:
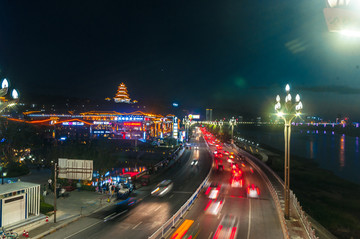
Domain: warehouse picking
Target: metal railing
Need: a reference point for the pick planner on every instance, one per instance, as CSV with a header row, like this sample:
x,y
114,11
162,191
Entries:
x,y
169,224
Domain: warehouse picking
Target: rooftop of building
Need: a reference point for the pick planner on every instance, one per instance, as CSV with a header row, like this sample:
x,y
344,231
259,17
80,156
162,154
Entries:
x,y
13,187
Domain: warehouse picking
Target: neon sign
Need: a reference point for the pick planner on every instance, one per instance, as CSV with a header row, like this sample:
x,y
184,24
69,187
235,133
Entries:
x,y
102,122
73,123
130,118
132,124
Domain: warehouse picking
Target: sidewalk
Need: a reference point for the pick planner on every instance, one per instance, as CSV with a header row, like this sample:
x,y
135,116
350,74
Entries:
x,y
80,204
69,209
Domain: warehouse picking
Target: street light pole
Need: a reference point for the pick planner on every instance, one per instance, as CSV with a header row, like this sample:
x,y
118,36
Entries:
x,y
232,123
221,124
288,112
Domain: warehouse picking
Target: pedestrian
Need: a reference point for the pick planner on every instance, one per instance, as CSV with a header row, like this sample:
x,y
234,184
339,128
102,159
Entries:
x,y
49,181
78,185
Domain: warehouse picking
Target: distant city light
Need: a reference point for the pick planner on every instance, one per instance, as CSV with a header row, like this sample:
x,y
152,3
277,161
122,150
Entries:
x,y
175,104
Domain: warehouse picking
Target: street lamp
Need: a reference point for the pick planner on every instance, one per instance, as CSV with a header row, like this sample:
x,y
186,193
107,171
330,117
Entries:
x,y
342,16
288,112
3,174
232,123
186,122
3,91
221,123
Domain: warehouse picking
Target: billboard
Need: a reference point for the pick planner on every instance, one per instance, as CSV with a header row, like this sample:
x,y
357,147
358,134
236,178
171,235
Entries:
x,y
75,169
175,128
194,117
130,118
132,124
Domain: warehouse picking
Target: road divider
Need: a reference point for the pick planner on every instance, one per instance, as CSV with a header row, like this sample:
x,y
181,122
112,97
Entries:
x,y
169,224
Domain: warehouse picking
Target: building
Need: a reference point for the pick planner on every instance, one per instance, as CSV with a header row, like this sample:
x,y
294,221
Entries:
x,y
122,95
109,124
208,114
18,201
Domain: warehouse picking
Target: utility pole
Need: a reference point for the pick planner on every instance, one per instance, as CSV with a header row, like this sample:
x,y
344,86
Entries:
x,y
55,170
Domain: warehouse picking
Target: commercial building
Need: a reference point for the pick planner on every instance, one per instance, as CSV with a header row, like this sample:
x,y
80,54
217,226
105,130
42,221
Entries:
x,y
208,114
111,124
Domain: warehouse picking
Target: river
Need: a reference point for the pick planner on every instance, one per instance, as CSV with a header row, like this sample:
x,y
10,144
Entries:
x,y
334,152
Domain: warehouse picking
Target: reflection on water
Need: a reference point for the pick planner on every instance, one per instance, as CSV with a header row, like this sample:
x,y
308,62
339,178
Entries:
x,y
311,149
342,151
325,147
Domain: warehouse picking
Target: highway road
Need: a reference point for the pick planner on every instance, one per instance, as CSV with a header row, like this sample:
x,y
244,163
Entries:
x,y
250,217
144,218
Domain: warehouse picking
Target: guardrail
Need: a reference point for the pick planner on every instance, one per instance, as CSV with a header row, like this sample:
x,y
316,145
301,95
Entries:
x,y
169,224
302,215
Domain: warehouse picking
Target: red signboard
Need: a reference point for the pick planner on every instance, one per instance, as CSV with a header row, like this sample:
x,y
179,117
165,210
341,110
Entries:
x,y
132,124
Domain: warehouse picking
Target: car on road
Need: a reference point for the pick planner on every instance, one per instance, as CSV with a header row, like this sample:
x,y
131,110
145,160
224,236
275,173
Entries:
x,y
194,162
227,228
162,188
214,206
237,181
213,191
226,152
253,191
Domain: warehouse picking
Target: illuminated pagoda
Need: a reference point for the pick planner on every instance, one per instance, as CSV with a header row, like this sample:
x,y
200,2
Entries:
x,y
122,95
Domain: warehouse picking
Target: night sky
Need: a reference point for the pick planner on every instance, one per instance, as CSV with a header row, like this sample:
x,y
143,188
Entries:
x,y
233,56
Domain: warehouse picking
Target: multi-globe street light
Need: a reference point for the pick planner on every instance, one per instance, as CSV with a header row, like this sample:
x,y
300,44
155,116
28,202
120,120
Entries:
x,y
221,123
232,123
6,103
3,91
186,122
343,16
288,111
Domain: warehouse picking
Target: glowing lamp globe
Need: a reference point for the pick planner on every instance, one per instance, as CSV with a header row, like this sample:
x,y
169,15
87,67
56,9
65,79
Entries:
x,y
4,84
343,16
14,94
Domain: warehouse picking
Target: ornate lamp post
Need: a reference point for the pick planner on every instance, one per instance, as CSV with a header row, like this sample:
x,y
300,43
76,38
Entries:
x,y
232,123
288,112
3,91
221,123
6,103
186,122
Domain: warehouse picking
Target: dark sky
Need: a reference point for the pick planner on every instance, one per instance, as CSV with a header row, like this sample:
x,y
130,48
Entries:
x,y
227,55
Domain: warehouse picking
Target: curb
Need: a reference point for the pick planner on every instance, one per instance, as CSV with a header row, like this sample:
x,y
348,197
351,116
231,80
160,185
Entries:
x,y
56,228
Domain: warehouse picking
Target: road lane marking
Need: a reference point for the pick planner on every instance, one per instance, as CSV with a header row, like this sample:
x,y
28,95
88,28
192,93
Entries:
x,y
171,195
248,234
136,225
116,215
157,208
210,235
180,232
109,215
82,230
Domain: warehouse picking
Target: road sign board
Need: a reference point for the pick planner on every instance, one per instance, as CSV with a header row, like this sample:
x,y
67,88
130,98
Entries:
x,y
75,169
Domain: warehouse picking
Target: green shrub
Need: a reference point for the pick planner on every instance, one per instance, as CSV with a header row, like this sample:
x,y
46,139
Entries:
x,y
45,207
88,188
